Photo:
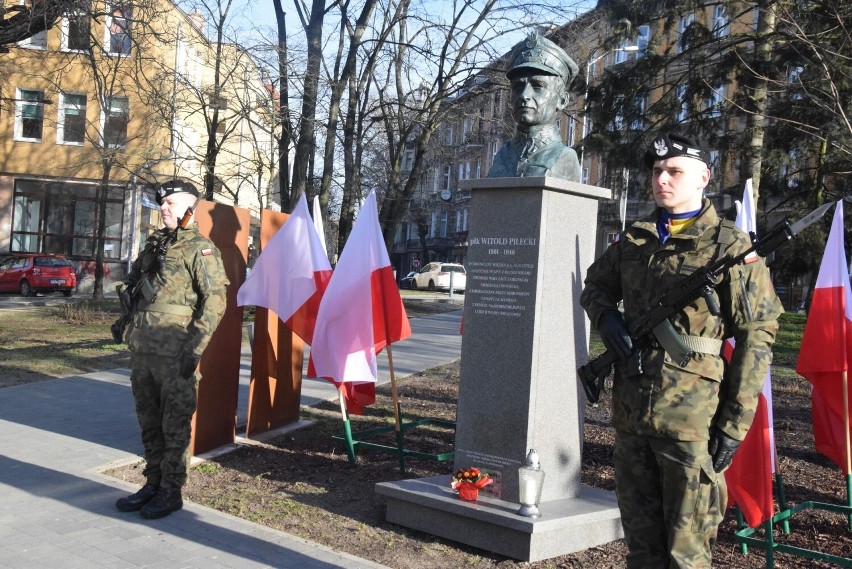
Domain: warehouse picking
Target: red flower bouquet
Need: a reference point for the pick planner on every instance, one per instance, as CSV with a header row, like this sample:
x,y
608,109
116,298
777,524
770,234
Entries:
x,y
468,481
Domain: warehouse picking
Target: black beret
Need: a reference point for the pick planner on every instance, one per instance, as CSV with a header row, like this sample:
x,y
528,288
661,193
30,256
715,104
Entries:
x,y
174,187
672,144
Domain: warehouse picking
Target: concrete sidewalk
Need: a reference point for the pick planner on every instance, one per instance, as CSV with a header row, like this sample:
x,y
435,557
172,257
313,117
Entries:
x,y
56,508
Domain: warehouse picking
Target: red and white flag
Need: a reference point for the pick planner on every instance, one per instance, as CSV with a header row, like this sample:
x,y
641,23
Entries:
x,y
749,477
318,224
361,312
827,348
291,274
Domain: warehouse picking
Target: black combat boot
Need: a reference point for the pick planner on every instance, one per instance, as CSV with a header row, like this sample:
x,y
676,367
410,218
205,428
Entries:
x,y
164,503
134,502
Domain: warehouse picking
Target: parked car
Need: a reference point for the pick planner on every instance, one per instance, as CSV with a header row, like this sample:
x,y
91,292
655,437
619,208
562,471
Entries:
x,y
436,276
29,273
405,282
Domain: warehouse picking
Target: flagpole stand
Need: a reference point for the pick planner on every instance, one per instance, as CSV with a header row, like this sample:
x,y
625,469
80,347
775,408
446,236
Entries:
x,y
359,439
768,543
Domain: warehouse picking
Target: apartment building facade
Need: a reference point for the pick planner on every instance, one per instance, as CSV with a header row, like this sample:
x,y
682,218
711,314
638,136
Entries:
x,y
97,110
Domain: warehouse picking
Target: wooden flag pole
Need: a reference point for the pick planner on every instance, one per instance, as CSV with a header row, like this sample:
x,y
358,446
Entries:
x,y
396,413
848,445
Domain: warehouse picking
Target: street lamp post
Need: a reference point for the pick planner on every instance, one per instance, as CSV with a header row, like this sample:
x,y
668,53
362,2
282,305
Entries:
x,y
629,49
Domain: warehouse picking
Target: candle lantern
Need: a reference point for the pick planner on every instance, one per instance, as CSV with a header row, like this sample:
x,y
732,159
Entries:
x,y
530,482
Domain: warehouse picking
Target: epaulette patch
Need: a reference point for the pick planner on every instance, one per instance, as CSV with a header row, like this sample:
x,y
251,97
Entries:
x,y
726,232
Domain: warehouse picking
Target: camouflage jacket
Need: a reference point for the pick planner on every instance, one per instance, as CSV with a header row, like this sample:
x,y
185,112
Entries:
x,y
180,305
683,402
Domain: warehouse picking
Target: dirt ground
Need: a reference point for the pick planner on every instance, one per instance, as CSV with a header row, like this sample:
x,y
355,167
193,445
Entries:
x,y
302,483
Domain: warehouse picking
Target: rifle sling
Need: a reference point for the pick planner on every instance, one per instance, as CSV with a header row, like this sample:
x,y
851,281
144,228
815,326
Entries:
x,y
165,308
703,345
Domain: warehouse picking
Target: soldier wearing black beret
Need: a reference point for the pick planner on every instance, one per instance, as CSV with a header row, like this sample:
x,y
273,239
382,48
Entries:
x,y
678,424
181,285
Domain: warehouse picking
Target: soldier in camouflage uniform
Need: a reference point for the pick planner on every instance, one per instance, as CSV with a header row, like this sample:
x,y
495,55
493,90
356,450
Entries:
x,y
181,301
677,427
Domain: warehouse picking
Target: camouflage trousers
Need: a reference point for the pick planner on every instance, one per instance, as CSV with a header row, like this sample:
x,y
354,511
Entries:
x,y
165,403
671,501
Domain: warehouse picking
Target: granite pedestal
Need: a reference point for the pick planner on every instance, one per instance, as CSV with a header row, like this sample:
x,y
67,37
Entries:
x,y
529,244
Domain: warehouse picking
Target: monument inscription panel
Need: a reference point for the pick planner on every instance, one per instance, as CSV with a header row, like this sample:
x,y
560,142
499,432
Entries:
x,y
501,276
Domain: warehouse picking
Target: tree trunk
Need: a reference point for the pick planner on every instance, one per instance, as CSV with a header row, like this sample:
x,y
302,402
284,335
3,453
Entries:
x,y
103,190
306,142
758,97
283,110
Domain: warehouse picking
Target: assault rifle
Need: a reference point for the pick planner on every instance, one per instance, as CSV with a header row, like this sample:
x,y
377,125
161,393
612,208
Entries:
x,y
129,295
655,326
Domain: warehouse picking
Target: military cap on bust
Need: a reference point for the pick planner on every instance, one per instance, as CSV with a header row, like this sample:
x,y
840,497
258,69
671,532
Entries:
x,y
174,187
541,54
672,144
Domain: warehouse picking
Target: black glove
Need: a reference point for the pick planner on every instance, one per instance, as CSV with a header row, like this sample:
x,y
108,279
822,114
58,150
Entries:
x,y
188,363
117,330
614,333
722,449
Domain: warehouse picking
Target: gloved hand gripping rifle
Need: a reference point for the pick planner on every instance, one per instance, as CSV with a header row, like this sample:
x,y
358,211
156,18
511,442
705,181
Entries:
x,y
655,324
129,295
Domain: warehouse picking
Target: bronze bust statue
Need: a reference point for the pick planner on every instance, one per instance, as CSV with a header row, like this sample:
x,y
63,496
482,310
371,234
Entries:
x,y
539,73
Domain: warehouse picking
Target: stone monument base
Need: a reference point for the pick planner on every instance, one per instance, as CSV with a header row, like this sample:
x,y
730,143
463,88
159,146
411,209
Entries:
x,y
565,526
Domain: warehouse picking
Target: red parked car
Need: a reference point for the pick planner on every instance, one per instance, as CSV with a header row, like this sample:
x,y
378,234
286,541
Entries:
x,y
29,273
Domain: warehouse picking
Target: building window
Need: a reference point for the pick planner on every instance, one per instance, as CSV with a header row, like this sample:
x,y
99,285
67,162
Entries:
x,y
37,41
715,100
585,177
75,32
721,24
447,177
593,67
71,123
642,38
637,119
714,163
118,28
569,138
794,77
57,217
685,22
115,120
683,109
621,54
444,224
29,115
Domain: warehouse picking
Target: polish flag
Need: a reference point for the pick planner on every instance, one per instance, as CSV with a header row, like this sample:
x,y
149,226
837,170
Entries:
x,y
318,224
749,477
291,274
361,312
824,357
